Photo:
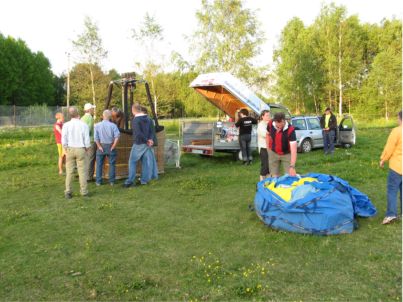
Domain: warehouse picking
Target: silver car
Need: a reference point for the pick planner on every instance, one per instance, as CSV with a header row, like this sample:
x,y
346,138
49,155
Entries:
x,y
309,133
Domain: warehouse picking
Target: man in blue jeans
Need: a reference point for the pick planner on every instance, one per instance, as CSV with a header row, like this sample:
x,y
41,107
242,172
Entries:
x,y
328,122
142,142
106,137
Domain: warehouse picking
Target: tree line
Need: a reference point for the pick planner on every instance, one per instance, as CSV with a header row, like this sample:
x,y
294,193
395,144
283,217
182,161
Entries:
x,y
337,61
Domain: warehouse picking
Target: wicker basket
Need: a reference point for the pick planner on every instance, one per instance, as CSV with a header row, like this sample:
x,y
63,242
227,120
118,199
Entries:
x,y
123,154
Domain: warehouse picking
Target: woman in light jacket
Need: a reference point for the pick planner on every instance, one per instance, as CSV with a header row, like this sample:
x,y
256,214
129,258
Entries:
x,y
261,143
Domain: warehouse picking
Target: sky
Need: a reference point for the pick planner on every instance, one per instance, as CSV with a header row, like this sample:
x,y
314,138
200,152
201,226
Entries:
x,y
50,26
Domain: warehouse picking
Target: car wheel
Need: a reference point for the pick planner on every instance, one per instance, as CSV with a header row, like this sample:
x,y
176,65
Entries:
x,y
306,146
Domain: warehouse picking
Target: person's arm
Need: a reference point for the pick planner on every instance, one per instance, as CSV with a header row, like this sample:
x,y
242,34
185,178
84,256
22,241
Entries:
x,y
237,120
116,135
58,129
97,139
293,150
389,147
64,138
86,136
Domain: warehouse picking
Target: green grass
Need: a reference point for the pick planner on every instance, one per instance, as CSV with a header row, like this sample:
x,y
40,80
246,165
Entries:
x,y
188,236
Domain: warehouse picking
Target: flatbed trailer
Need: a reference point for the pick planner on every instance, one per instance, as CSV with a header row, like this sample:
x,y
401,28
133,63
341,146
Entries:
x,y
229,95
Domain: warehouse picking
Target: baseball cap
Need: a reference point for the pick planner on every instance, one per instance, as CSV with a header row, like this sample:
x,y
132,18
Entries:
x,y
88,106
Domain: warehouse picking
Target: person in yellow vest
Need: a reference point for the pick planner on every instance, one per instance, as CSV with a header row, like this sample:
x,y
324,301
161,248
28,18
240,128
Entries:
x,y
393,153
328,122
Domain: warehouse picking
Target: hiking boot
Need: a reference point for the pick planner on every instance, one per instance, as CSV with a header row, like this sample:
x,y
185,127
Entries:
x,y
389,219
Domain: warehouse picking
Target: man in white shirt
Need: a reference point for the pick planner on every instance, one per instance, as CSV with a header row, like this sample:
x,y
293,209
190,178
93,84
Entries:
x,y
75,141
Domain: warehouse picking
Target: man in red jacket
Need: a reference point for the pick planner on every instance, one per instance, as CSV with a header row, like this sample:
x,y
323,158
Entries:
x,y
281,143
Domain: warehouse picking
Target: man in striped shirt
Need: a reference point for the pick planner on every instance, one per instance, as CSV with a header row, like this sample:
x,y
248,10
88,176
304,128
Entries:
x,y
75,141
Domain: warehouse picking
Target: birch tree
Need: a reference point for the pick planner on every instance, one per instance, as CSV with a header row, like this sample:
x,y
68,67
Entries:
x,y
90,49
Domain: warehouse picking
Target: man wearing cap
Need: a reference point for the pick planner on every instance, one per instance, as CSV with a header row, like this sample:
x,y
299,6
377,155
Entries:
x,y
106,137
328,122
75,142
281,144
89,120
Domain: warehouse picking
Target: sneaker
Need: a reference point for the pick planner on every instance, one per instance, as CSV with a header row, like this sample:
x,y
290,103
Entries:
x,y
389,219
245,163
68,195
97,184
112,184
249,163
125,185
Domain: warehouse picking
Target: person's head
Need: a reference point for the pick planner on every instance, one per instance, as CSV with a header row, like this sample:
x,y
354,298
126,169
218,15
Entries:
x,y
115,111
136,109
279,120
59,116
328,110
400,117
89,108
73,112
106,115
265,115
244,112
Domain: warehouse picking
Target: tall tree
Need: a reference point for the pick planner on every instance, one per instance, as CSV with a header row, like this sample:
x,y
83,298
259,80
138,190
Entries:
x,y
149,34
342,49
228,39
82,87
90,49
25,76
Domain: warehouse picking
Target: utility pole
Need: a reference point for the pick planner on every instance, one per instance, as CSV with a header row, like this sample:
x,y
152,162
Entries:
x,y
68,79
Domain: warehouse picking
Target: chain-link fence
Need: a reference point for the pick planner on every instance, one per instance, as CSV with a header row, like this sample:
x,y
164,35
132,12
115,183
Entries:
x,y
36,115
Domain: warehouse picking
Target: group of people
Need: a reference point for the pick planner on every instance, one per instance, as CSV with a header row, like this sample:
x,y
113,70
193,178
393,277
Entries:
x,y
277,145
82,143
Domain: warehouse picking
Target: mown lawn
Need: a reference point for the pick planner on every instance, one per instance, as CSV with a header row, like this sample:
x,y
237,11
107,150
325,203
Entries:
x,y
188,236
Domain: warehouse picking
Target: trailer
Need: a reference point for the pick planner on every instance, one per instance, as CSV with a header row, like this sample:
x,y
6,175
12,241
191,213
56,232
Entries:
x,y
229,95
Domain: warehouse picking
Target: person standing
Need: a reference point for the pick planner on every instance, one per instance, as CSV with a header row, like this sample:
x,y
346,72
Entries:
x,y
392,152
76,142
328,123
148,160
244,122
106,136
281,142
118,117
57,130
142,140
261,143
88,118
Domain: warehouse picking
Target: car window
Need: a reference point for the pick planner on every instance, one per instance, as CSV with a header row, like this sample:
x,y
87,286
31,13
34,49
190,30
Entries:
x,y
299,124
314,124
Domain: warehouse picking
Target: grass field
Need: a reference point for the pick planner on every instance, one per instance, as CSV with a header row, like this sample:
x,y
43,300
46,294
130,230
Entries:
x,y
186,237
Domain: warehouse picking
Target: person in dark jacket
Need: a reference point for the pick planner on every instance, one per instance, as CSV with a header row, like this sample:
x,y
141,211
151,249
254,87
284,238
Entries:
x,y
142,141
244,123
328,122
